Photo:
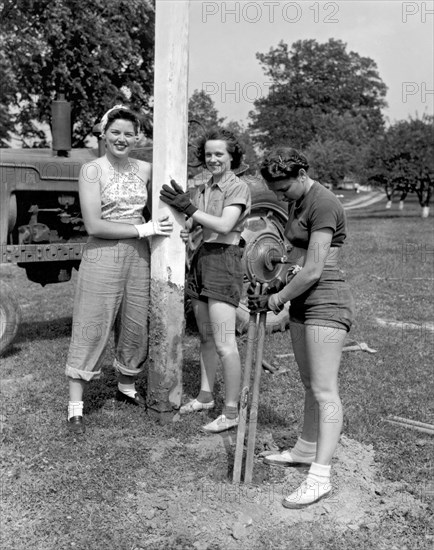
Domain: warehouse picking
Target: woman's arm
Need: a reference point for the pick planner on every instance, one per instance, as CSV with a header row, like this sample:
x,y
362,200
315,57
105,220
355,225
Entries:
x,y
221,224
319,246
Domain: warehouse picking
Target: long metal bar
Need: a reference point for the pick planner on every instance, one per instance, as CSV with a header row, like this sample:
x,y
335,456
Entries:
x,y
411,426
244,400
412,422
253,416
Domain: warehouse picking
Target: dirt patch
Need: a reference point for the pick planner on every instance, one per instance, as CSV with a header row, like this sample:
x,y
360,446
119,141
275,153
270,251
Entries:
x,y
212,513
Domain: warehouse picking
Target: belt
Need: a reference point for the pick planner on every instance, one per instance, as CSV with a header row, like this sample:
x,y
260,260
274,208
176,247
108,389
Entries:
x,y
214,245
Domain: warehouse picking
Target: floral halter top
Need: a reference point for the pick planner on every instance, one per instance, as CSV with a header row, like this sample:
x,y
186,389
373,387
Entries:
x,y
123,196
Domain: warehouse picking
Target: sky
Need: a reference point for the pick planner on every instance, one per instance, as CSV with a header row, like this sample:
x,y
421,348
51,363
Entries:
x,y
225,37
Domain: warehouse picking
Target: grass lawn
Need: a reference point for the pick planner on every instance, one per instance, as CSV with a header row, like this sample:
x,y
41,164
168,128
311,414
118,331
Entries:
x,y
133,482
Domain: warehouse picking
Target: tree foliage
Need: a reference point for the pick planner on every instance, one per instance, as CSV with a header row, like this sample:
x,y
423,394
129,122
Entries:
x,y
403,158
244,135
341,148
201,108
202,116
322,98
98,52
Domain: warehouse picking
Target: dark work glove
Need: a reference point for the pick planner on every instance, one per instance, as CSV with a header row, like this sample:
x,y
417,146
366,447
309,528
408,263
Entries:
x,y
176,198
256,302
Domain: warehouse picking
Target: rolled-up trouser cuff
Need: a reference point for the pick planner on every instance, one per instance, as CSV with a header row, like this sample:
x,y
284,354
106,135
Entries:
x,y
122,369
82,374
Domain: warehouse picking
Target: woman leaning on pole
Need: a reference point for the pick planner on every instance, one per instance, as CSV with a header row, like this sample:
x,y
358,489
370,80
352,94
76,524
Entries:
x,y
114,280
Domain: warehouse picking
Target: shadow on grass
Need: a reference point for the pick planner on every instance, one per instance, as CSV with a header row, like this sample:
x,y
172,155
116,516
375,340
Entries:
x,y
99,391
12,350
44,330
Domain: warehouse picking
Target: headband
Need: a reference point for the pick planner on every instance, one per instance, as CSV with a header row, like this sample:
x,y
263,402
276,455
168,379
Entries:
x,y
104,119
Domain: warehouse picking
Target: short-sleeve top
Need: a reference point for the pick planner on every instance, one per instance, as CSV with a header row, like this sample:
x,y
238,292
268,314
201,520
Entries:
x,y
318,209
212,198
123,196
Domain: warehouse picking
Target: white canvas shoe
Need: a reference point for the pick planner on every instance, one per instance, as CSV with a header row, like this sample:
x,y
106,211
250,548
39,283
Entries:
x,y
195,406
286,459
221,424
308,493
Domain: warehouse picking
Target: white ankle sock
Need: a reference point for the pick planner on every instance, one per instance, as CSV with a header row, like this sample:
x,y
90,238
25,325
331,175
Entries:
x,y
75,408
319,473
127,389
304,451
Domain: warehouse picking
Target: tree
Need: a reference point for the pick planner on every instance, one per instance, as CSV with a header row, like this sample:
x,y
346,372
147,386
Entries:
x,y
341,148
202,109
99,53
403,158
313,85
250,156
6,94
202,115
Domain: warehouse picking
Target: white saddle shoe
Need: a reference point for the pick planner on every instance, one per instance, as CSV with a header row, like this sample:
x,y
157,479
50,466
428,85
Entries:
x,y
286,459
195,406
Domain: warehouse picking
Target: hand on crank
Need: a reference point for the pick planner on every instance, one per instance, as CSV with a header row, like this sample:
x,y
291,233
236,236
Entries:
x,y
263,302
274,303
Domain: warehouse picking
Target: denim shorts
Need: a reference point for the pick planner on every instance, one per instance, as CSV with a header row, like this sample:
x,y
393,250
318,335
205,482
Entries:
x,y
329,302
216,272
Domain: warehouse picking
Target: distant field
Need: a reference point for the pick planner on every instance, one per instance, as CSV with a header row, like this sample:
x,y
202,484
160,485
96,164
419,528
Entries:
x,y
133,483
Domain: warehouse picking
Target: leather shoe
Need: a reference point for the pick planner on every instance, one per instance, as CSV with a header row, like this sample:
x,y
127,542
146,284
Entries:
x,y
76,425
138,400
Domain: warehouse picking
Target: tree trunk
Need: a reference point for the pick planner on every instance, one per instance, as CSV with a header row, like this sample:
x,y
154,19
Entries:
x,y
169,161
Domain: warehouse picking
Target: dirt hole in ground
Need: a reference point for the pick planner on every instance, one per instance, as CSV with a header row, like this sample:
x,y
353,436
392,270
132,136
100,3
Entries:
x,y
222,515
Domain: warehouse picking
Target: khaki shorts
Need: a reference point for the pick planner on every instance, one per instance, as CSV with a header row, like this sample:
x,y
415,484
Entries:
x,y
216,272
329,302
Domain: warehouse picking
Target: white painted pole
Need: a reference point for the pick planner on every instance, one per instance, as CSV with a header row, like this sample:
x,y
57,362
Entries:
x,y
169,161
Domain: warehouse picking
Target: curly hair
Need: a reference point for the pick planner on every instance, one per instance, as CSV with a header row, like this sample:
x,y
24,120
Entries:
x,y
119,112
282,163
233,146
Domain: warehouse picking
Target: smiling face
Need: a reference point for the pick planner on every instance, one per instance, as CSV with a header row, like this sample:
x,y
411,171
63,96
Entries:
x,y
217,159
120,138
289,189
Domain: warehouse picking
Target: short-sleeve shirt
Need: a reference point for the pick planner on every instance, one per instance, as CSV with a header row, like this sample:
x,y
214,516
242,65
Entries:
x,y
318,209
212,198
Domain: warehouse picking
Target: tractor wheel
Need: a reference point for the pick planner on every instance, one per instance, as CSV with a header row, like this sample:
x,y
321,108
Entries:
x,y
267,216
10,316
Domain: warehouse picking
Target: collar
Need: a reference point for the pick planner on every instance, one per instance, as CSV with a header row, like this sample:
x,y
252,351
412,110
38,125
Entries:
x,y
227,179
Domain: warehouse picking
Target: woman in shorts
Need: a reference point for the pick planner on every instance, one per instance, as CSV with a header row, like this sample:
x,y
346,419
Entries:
x,y
215,279
321,314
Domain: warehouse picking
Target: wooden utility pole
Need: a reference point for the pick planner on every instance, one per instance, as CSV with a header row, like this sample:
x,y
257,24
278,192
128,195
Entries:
x,y
169,161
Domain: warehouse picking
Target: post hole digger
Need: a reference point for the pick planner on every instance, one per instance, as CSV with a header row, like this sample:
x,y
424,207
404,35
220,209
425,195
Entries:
x,y
267,268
